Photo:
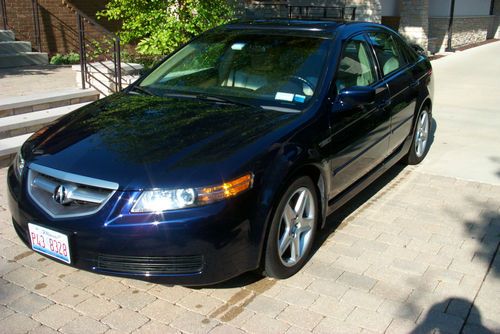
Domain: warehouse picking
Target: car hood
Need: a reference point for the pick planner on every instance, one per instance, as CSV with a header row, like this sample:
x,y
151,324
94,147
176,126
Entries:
x,y
151,142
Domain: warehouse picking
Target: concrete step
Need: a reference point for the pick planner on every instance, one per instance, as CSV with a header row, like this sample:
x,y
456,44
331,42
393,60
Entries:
x,y
26,104
6,35
16,125
23,59
9,146
14,47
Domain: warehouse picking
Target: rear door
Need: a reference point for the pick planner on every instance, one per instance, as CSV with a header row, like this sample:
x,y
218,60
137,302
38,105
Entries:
x,y
397,74
359,132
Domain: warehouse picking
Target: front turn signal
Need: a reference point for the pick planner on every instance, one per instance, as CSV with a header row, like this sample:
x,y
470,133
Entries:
x,y
226,190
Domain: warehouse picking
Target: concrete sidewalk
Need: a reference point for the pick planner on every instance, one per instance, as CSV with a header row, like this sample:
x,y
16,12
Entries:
x,y
414,253
31,80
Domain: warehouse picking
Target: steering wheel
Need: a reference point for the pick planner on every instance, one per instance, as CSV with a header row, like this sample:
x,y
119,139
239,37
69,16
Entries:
x,y
301,80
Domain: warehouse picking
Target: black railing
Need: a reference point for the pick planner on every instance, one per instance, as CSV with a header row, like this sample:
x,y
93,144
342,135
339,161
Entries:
x,y
99,49
283,10
3,8
36,23
94,63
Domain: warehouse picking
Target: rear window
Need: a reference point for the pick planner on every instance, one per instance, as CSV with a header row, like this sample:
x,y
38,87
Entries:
x,y
389,54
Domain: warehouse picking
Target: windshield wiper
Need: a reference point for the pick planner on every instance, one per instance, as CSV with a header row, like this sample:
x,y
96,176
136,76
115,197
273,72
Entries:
x,y
223,99
142,90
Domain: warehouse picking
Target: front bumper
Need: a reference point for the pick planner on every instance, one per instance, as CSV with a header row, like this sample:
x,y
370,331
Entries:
x,y
196,246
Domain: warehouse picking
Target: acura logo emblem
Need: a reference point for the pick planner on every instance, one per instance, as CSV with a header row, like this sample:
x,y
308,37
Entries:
x,y
60,195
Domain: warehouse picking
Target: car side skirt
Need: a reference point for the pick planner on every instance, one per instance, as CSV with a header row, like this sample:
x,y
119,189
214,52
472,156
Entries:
x,y
342,198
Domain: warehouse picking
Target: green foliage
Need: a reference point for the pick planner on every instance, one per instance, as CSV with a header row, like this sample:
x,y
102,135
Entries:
x,y
99,48
160,26
145,60
67,59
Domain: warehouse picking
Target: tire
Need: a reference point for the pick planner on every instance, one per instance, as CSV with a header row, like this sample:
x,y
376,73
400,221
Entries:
x,y
420,142
293,230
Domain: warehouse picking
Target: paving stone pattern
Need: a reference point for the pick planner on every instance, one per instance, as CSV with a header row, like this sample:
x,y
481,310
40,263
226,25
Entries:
x,y
410,254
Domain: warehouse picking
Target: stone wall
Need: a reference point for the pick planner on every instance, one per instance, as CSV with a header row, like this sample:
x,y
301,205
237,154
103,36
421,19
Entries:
x,y
58,27
414,23
466,30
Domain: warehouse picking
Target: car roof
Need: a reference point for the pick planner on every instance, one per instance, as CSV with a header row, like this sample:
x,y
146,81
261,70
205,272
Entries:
x,y
324,26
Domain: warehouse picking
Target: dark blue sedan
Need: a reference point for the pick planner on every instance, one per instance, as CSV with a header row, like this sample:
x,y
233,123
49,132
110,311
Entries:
x,y
228,156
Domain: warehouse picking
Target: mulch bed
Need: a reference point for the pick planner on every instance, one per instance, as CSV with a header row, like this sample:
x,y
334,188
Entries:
x,y
465,47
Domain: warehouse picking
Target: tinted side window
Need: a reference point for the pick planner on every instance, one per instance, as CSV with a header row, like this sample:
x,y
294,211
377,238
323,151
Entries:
x,y
356,66
389,55
411,55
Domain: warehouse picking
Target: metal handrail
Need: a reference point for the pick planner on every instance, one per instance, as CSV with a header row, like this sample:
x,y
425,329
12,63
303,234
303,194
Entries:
x,y
36,23
84,44
310,11
3,8
116,80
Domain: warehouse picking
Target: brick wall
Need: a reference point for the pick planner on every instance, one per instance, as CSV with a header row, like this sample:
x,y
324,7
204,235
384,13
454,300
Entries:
x,y
57,22
466,30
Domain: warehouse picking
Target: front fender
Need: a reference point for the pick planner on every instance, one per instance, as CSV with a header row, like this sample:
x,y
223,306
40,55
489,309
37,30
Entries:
x,y
290,161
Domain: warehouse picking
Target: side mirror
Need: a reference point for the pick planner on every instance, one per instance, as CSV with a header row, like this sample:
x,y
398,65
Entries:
x,y
356,96
418,49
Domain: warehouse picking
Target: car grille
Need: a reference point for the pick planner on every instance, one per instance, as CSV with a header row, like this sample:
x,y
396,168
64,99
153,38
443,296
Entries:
x,y
151,265
78,195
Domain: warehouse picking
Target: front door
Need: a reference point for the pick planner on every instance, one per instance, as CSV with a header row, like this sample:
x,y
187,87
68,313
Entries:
x,y
360,132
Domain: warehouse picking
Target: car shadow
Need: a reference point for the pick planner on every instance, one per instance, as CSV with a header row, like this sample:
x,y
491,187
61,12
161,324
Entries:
x,y
334,220
432,132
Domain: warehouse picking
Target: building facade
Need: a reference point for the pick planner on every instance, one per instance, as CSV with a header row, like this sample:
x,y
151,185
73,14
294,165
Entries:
x,y
427,21
424,22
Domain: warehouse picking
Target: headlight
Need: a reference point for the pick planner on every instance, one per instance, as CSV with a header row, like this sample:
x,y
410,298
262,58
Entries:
x,y
163,200
19,164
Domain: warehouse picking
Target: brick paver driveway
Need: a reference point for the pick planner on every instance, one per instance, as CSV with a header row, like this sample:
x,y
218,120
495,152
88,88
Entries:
x,y
415,252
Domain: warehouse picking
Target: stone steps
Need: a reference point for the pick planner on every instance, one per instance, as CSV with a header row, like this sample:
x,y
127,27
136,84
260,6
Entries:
x,y
23,104
6,35
17,53
9,47
30,122
9,147
23,59
24,115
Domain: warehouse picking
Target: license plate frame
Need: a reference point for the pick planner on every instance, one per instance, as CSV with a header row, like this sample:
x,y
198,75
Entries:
x,y
50,242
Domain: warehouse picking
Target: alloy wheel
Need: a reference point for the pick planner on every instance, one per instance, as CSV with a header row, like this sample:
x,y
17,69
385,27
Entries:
x,y
422,134
296,227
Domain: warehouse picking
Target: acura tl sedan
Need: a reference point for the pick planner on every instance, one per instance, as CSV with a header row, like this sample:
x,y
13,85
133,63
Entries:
x,y
228,156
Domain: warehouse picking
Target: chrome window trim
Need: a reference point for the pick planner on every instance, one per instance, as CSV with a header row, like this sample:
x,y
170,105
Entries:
x,y
68,177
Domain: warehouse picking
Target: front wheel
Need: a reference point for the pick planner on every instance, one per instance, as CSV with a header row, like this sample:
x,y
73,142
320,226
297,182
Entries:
x,y
420,143
293,229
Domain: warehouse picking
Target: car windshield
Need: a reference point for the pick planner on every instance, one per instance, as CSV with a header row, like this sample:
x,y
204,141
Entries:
x,y
274,70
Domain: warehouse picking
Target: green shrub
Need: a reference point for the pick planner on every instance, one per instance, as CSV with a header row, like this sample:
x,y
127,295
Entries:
x,y
160,26
67,59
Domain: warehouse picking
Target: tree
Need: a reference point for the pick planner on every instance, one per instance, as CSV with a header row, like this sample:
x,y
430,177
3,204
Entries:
x,y
160,26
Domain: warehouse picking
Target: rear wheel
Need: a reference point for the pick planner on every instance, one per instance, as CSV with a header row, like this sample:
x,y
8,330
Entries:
x,y
293,229
420,144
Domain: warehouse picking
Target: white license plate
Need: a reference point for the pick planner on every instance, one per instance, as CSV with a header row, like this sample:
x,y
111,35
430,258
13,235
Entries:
x,y
49,242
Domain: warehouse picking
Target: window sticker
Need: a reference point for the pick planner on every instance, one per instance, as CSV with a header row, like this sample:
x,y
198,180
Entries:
x,y
299,98
238,46
284,96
